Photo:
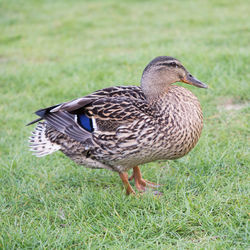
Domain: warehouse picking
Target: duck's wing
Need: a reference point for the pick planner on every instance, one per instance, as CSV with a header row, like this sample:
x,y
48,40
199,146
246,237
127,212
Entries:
x,y
63,122
105,110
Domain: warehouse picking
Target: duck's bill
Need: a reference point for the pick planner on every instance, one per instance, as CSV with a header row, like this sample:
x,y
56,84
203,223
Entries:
x,y
189,79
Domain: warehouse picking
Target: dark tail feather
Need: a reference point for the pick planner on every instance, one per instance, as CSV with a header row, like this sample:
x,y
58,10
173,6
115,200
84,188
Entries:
x,y
42,113
37,120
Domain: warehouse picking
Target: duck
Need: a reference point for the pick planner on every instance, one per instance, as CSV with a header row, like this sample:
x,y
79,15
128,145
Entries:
x,y
122,127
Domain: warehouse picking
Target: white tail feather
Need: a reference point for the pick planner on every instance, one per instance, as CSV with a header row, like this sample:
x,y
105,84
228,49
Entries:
x,y
40,144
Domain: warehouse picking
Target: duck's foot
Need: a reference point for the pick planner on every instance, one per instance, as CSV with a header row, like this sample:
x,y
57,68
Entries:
x,y
140,183
124,177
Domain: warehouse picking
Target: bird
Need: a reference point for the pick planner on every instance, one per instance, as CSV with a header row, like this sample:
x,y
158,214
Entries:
x,y
121,127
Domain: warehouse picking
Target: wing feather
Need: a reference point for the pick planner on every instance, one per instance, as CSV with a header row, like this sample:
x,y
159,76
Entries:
x,y
111,107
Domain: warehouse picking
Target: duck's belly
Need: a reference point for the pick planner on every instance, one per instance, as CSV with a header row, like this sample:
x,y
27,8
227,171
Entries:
x,y
161,147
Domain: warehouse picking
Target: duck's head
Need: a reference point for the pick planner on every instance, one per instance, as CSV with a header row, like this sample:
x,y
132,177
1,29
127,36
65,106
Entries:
x,y
163,71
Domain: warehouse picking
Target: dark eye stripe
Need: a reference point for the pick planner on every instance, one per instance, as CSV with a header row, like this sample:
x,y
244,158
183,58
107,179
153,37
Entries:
x,y
173,64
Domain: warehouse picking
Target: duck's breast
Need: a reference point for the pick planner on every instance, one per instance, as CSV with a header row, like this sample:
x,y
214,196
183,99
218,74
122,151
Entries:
x,y
183,122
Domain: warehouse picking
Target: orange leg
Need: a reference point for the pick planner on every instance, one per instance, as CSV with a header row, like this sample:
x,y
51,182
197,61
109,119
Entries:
x,y
124,177
140,183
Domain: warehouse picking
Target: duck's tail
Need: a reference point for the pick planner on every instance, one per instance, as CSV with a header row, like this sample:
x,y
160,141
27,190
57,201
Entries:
x,y
40,144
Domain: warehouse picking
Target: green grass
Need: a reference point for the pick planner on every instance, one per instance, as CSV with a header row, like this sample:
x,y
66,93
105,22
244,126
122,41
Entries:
x,y
54,51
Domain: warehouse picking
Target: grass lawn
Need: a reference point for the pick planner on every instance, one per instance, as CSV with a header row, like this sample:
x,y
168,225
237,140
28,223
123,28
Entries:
x,y
54,51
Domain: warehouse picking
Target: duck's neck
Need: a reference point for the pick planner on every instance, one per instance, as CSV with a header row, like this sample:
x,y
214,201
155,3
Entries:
x,y
154,86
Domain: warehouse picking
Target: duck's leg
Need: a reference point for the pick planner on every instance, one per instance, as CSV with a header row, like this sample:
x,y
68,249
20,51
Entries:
x,y
140,183
124,177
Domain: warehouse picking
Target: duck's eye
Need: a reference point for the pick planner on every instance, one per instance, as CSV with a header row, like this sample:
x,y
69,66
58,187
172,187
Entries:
x,y
173,64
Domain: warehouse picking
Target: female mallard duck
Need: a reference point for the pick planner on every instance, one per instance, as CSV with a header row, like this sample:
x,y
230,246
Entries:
x,y
118,128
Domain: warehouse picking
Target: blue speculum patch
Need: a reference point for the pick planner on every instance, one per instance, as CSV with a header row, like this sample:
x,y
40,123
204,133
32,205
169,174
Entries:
x,y
85,122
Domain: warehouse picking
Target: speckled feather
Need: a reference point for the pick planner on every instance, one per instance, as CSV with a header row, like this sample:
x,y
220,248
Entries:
x,y
130,128
133,131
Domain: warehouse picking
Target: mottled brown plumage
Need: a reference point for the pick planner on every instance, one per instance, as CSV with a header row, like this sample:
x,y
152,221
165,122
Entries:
x,y
118,128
